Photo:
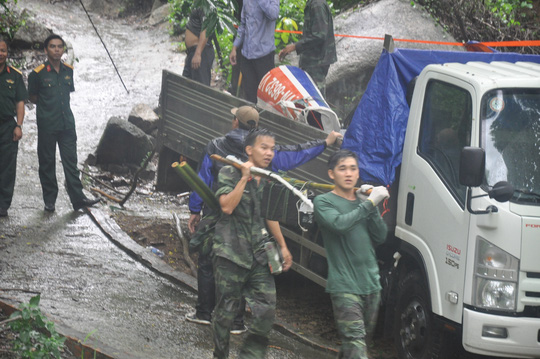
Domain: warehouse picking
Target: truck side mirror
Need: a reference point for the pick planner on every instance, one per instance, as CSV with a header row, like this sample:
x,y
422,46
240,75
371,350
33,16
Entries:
x,y
502,191
472,165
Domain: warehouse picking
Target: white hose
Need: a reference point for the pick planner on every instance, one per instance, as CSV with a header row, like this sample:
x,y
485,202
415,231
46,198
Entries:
x,y
275,176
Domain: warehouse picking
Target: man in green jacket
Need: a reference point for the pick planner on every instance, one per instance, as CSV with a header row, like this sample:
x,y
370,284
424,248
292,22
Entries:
x,y
12,97
49,86
317,48
351,227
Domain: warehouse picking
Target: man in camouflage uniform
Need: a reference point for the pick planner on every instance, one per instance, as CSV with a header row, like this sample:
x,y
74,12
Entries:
x,y
317,48
351,227
240,263
12,97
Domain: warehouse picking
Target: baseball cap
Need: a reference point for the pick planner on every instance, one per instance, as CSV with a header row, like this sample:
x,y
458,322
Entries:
x,y
247,115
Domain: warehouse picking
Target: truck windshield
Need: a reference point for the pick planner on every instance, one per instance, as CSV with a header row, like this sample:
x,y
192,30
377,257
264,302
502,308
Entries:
x,y
511,138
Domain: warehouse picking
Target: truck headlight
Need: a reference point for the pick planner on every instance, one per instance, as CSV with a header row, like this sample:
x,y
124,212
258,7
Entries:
x,y
496,277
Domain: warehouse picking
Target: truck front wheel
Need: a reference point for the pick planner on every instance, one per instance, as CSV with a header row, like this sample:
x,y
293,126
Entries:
x,y
415,334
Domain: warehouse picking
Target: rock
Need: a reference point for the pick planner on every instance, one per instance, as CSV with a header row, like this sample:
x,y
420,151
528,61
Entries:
x,y
348,77
123,143
110,8
118,169
147,175
160,15
144,118
32,35
91,160
158,3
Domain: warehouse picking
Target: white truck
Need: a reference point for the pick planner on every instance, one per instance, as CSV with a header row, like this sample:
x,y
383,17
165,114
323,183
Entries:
x,y
467,231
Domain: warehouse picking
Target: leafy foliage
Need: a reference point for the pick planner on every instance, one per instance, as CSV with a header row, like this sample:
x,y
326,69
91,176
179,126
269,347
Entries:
x,y
283,38
510,11
10,21
37,337
219,14
487,20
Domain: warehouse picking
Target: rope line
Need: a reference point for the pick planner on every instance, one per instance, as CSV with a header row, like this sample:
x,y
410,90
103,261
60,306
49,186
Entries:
x,y
518,43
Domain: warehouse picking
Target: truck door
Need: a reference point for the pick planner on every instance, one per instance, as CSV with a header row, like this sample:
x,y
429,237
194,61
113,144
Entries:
x,y
435,220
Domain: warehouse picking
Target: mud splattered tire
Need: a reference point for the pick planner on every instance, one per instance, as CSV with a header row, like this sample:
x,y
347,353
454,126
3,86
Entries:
x,y
415,333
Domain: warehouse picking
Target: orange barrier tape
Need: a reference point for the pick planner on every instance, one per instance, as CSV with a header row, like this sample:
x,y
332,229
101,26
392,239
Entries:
x,y
512,43
491,44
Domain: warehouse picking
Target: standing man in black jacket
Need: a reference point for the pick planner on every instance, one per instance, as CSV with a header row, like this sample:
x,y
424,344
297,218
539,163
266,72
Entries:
x,y
317,48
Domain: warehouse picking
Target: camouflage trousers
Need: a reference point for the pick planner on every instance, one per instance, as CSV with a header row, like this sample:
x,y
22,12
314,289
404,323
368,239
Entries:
x,y
258,287
355,316
318,75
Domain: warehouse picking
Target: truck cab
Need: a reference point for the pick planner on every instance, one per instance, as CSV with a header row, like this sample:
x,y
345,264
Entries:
x,y
469,247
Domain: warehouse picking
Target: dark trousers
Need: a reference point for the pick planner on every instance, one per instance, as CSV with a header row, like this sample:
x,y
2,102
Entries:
x,y
67,144
8,162
206,286
204,73
318,75
257,285
253,70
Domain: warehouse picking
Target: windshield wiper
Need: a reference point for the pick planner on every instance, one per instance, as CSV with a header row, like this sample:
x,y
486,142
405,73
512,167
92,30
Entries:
x,y
534,197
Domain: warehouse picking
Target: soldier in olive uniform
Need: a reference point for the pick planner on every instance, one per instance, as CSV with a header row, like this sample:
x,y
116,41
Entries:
x,y
317,48
49,86
12,97
240,263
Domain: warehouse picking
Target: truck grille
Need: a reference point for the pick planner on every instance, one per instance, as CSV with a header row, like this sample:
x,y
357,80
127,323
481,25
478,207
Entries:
x,y
530,294
531,312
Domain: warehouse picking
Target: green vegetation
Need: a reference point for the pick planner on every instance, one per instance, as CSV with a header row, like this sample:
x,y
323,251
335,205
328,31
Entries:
x,y
219,14
84,342
488,20
291,18
10,21
510,11
36,336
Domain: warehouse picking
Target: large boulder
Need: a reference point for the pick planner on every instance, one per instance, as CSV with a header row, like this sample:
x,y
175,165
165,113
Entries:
x,y
348,77
158,3
122,143
105,7
32,34
144,118
160,15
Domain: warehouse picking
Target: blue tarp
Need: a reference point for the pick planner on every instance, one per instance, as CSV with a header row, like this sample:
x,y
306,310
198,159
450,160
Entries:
x,y
377,129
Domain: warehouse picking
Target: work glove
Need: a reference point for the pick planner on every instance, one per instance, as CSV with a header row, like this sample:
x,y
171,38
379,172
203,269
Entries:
x,y
362,193
378,194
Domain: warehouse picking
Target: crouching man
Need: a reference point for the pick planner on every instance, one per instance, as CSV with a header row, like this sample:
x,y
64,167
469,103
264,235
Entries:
x,y
351,227
240,263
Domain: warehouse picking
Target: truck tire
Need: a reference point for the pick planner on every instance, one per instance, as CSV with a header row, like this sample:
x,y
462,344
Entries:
x,y
415,334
